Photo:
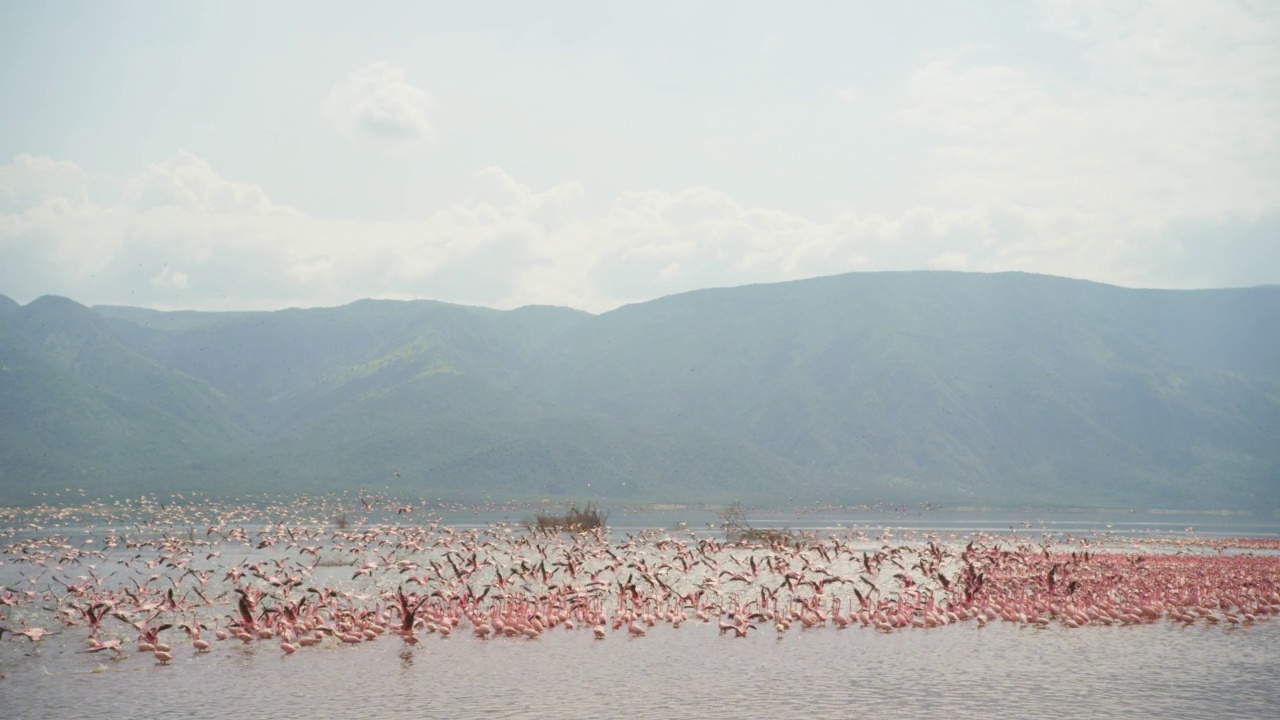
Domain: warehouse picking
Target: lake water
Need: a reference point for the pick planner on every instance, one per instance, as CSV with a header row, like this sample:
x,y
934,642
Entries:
x,y
1002,670
1163,669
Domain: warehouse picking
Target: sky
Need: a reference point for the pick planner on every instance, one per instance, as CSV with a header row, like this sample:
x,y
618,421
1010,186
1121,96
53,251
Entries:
x,y
591,154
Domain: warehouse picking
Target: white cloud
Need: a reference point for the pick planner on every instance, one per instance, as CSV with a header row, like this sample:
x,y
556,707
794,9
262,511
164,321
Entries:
x,y
1207,44
181,235
1176,118
170,278
377,103
31,181
949,261
186,181
1092,175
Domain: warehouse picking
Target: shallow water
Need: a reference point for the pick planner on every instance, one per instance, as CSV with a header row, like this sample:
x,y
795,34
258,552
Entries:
x,y
1003,670
1163,669
1082,524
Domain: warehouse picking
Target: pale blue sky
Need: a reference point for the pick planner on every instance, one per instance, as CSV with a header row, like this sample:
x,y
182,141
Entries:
x,y
238,155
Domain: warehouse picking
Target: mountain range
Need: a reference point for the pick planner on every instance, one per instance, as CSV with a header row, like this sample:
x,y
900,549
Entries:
x,y
1005,390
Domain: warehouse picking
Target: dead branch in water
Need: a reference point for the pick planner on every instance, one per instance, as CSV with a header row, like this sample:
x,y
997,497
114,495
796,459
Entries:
x,y
738,529
589,517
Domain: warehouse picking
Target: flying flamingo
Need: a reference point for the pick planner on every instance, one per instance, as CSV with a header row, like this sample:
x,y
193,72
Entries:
x,y
96,645
34,634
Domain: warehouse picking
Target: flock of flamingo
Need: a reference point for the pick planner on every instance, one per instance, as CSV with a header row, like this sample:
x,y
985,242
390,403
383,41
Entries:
x,y
173,578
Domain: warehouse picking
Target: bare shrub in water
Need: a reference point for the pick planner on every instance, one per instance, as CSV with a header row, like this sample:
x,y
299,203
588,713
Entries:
x,y
738,529
588,518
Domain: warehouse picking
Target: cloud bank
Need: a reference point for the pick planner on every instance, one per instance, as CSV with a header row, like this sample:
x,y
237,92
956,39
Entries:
x,y
1153,165
378,104
181,235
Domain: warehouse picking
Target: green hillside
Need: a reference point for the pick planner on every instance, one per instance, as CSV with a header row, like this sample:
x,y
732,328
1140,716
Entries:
x,y
1006,389
960,387
79,408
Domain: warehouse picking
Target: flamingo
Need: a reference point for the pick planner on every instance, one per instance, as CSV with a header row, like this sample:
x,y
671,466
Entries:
x,y
34,634
96,645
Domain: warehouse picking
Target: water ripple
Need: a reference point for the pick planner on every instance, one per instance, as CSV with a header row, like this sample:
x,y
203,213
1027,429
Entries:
x,y
1001,671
